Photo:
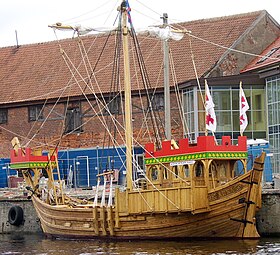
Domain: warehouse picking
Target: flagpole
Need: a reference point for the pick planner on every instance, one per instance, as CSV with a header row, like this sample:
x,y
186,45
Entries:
x,y
205,100
240,91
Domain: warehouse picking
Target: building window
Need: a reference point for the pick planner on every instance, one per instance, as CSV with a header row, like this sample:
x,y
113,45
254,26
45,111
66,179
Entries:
x,y
158,102
113,106
226,100
3,116
73,122
269,54
35,112
273,116
189,113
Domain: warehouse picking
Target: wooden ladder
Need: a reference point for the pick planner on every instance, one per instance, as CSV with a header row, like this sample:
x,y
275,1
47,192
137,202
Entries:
x,y
54,171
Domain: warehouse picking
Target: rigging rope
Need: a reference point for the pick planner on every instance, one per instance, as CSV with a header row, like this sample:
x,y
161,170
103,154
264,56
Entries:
x,y
155,119
186,130
197,79
65,57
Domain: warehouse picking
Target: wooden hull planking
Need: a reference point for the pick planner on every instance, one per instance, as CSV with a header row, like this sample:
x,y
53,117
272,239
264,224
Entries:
x,y
225,218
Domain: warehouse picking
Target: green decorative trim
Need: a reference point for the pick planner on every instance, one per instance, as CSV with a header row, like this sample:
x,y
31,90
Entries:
x,y
196,156
25,165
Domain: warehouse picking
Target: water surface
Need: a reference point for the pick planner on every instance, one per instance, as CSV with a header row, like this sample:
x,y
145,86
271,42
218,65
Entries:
x,y
31,244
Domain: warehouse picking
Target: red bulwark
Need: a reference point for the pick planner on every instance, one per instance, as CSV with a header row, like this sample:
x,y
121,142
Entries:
x,y
26,155
204,144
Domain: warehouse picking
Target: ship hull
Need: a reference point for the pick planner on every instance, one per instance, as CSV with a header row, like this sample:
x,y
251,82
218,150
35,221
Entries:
x,y
227,216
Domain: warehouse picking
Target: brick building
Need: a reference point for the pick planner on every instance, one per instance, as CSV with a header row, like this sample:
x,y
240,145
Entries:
x,y
43,96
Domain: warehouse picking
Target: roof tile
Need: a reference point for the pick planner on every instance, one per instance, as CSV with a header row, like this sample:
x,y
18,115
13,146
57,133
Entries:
x,y
39,71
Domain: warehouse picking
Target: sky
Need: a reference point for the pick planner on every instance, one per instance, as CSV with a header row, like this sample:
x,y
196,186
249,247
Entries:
x,y
26,21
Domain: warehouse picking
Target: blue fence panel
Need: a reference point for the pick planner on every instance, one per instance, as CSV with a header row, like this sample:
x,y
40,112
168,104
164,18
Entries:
x,y
255,148
80,167
5,171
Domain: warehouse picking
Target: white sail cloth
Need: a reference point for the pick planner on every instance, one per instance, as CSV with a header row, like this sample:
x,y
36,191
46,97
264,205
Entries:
x,y
162,33
85,30
81,30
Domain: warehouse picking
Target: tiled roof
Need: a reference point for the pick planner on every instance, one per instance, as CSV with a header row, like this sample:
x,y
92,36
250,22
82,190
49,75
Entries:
x,y
269,56
38,71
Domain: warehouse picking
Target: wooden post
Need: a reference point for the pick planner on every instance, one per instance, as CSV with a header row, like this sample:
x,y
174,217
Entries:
x,y
117,218
103,220
127,95
110,220
95,220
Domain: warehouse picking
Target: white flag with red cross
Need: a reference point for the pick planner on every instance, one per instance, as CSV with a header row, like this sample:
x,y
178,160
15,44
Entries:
x,y
243,107
211,122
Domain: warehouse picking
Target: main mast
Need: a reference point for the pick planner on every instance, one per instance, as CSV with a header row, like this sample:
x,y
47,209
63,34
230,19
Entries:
x,y
166,83
127,94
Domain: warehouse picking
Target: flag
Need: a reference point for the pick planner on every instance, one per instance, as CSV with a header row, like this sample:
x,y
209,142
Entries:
x,y
243,107
210,119
128,9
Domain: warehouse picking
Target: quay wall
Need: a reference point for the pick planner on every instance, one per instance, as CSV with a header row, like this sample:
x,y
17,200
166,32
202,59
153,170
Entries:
x,y
268,217
30,223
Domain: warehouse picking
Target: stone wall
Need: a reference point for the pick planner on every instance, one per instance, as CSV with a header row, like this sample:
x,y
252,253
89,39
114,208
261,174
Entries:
x,y
268,218
30,222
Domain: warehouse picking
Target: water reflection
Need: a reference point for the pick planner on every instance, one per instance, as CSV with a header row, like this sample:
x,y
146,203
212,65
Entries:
x,y
29,244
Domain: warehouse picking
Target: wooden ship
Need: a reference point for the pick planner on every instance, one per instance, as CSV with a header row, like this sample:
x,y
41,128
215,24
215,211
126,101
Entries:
x,y
188,190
